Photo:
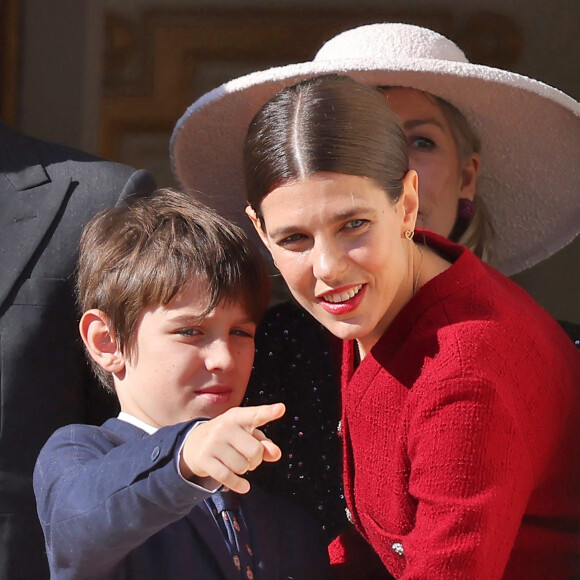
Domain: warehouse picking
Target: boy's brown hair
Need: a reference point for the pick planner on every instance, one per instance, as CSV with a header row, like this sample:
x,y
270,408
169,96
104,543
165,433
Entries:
x,y
145,251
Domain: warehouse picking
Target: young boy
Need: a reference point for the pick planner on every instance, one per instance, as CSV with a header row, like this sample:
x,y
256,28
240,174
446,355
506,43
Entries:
x,y
171,294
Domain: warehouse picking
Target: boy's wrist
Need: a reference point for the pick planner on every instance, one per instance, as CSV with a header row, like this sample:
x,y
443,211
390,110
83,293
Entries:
x,y
207,483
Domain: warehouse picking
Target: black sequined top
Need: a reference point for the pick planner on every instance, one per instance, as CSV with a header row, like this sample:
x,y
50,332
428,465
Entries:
x,y
295,365
572,330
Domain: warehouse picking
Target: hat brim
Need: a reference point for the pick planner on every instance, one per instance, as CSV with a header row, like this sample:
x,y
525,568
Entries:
x,y
530,133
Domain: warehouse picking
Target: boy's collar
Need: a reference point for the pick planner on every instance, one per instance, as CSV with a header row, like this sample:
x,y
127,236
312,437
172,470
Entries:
x,y
128,418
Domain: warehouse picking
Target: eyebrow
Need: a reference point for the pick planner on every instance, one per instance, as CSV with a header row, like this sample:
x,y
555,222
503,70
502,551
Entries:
x,y
338,217
186,319
413,123
193,319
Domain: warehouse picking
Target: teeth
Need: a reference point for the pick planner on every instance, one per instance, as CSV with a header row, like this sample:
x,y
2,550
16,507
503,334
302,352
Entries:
x,y
343,296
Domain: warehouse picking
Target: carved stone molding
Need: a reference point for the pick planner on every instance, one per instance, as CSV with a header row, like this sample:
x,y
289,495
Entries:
x,y
157,65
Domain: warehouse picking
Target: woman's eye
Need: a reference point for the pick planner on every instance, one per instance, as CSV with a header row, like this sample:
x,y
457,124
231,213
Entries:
x,y
290,240
421,143
356,224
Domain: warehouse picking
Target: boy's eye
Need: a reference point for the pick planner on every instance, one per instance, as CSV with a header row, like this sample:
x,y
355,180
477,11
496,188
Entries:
x,y
242,333
421,143
188,332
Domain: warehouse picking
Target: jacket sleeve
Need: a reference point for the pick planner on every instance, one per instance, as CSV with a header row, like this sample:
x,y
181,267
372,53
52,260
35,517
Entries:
x,y
98,498
471,478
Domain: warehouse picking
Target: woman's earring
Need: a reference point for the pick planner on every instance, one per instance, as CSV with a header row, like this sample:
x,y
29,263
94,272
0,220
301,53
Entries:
x,y
465,212
409,234
464,209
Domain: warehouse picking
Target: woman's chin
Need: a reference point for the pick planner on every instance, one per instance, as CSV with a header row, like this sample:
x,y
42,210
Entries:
x,y
343,329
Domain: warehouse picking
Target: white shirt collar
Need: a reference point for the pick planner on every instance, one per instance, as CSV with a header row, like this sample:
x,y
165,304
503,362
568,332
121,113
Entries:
x,y
128,418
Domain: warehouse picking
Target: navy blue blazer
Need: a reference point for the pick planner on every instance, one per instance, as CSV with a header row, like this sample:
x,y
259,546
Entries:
x,y
47,194
113,506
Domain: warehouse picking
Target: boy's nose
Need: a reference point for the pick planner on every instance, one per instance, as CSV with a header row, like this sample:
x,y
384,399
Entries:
x,y
219,356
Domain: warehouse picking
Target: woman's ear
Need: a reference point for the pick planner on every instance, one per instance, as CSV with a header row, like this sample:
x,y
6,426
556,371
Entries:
x,y
99,339
257,225
469,173
410,200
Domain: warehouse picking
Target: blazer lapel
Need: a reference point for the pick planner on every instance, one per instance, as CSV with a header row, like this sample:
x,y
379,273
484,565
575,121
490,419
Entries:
x,y
202,520
31,205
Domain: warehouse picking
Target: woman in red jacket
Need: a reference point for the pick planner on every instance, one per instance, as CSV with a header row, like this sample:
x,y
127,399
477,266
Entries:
x,y
479,138
461,439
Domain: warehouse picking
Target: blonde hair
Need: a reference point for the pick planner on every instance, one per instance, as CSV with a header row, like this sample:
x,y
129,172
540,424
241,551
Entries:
x,y
478,232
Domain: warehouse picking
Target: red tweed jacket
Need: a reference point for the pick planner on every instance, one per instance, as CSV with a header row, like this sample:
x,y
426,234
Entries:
x,y
461,435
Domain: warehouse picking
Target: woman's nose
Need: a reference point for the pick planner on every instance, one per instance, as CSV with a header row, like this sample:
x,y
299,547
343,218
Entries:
x,y
328,261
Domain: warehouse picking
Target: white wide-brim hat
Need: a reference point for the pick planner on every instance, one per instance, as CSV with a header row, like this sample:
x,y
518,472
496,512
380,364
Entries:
x,y
530,133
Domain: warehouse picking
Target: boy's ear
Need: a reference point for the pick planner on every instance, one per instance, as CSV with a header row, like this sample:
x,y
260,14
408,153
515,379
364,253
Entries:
x,y
95,329
257,225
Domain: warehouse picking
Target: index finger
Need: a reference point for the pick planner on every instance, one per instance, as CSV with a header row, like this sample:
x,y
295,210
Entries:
x,y
262,414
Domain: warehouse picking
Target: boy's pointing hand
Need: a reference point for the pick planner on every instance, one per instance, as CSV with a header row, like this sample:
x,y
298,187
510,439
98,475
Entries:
x,y
230,445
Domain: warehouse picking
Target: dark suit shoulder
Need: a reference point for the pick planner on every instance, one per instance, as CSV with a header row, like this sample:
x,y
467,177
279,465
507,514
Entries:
x,y
48,151
102,177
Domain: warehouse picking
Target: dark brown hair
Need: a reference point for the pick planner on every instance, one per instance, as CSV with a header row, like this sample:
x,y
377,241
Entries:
x,y
327,123
144,252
